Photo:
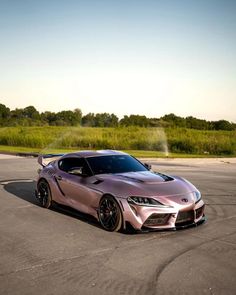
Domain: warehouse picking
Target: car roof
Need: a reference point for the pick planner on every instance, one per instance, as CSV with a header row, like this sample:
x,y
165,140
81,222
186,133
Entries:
x,y
87,154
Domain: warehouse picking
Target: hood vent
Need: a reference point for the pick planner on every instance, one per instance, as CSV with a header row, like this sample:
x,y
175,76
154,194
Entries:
x,y
98,181
130,178
164,177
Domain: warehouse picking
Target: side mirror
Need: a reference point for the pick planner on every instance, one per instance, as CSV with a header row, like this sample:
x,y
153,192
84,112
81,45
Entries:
x,y
77,171
148,166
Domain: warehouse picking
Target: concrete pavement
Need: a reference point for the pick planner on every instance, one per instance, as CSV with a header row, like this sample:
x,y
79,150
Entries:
x,y
56,252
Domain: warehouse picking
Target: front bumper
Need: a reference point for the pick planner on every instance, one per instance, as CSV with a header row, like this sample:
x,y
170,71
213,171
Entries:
x,y
157,218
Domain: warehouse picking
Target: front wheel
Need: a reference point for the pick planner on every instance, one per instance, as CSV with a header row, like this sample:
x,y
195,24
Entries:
x,y
110,214
44,194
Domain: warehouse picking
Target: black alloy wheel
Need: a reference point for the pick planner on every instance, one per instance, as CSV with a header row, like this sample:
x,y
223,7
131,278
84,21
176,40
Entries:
x,y
44,194
110,214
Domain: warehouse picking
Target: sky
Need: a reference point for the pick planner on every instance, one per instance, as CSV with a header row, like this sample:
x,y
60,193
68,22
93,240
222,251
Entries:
x,y
147,57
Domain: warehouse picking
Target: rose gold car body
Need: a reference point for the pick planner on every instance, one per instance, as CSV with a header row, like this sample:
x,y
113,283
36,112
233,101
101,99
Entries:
x,y
177,195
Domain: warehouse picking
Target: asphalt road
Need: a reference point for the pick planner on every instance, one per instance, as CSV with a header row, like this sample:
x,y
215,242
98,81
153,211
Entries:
x,y
56,252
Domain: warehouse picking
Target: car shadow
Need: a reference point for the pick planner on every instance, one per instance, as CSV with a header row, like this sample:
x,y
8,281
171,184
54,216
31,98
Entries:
x,y
21,188
24,189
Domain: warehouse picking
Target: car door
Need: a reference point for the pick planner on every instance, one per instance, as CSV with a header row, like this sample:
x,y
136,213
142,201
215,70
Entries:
x,y
76,187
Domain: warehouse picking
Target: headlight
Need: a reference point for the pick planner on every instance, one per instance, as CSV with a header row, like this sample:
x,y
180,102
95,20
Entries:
x,y
143,201
197,196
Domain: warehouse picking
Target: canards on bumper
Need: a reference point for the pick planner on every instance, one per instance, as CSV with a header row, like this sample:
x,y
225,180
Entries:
x,y
175,193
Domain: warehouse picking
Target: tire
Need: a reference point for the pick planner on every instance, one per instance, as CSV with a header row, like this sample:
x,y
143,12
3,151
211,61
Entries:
x,y
44,194
109,213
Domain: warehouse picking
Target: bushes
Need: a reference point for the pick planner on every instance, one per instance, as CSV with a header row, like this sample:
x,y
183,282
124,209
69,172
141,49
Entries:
x,y
180,146
178,140
190,141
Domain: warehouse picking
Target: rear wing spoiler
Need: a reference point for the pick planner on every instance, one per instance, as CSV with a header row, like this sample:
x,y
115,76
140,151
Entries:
x,y
44,160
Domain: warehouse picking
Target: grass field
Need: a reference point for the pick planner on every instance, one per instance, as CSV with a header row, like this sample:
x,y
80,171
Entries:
x,y
148,142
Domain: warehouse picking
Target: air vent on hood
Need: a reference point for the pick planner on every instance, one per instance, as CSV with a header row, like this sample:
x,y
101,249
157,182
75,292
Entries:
x,y
164,176
98,181
130,178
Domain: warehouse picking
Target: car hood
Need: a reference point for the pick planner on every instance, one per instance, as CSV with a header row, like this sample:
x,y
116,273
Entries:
x,y
144,177
145,183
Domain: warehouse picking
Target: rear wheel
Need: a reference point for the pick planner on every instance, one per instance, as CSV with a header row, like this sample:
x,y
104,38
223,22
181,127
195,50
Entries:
x,y
110,214
44,194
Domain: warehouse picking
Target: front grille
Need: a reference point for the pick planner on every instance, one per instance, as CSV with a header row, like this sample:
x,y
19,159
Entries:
x,y
185,217
157,219
199,212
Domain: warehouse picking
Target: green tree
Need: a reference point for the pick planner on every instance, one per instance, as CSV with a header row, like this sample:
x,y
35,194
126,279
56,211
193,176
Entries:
x,y
28,116
135,120
100,120
106,120
174,120
17,118
4,114
49,118
223,125
72,118
78,115
88,120
31,113
195,123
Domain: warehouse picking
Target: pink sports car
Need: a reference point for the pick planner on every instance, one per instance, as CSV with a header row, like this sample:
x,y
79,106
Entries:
x,y
118,190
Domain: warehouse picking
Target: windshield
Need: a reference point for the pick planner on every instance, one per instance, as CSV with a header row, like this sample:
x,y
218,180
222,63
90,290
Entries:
x,y
115,164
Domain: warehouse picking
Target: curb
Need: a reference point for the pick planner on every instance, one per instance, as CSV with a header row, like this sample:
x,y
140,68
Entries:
x,y
21,154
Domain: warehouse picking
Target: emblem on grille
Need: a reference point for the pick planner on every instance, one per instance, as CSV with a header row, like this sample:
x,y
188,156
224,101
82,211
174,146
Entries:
x,y
184,200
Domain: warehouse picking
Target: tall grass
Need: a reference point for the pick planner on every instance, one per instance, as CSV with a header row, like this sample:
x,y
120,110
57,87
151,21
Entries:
x,y
178,140
202,142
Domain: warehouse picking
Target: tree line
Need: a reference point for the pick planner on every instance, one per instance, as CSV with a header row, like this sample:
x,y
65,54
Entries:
x,y
30,116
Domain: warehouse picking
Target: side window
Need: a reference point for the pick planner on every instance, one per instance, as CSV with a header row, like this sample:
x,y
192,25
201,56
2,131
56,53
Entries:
x,y
70,163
